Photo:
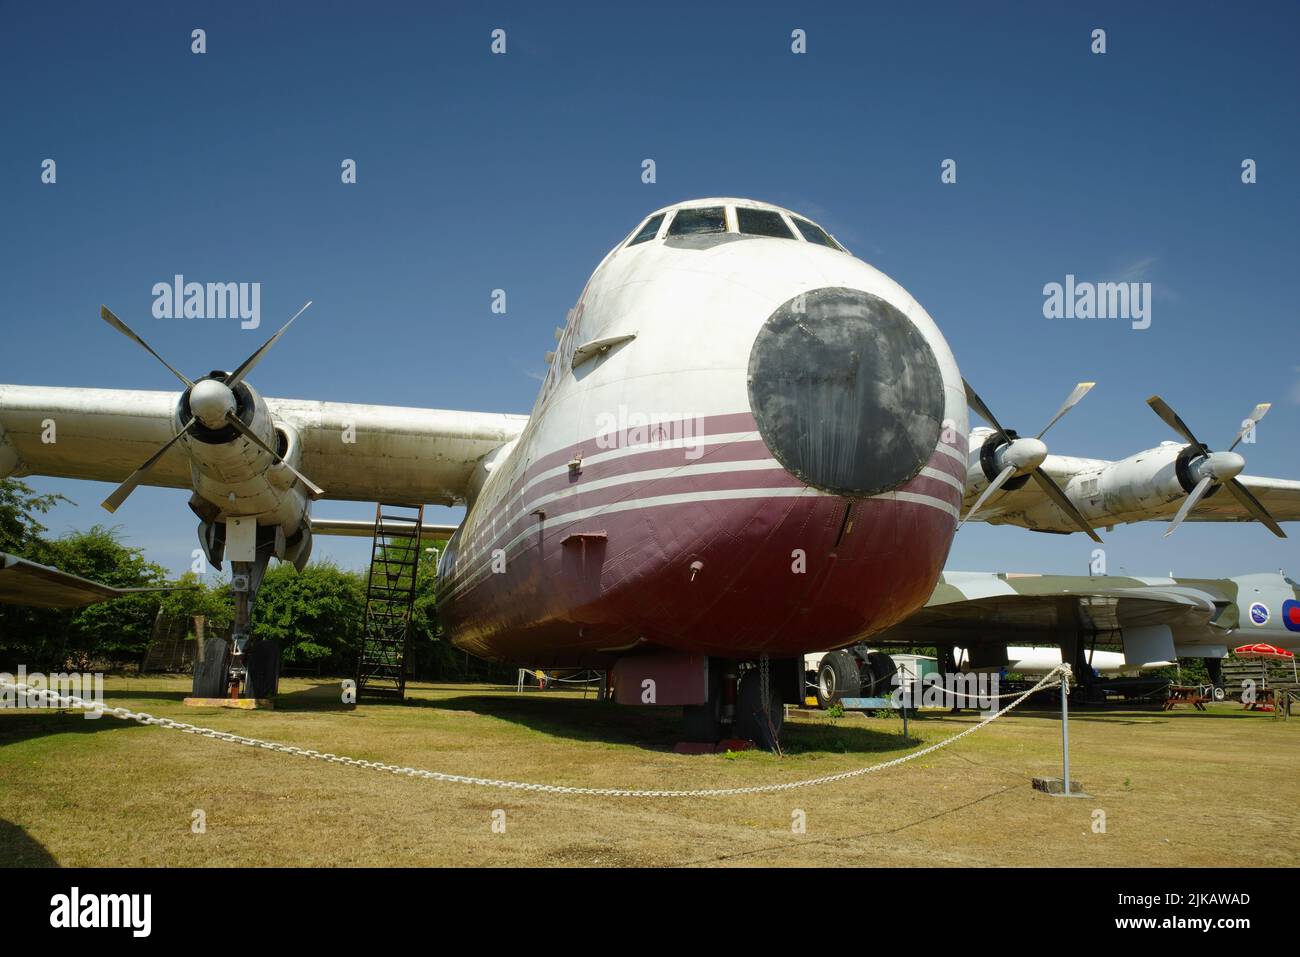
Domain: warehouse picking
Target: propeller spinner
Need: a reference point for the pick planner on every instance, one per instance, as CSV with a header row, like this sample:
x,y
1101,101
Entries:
x,y
1019,456
212,402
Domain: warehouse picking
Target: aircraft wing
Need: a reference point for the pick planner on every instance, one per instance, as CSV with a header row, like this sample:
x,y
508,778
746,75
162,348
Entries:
x,y
972,607
23,582
1280,496
355,452
363,528
1009,505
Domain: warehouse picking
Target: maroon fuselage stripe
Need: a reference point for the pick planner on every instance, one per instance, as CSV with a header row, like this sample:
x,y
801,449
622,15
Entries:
x,y
579,590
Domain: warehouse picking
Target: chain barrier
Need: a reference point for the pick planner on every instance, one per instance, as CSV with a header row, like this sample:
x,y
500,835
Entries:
x,y
72,701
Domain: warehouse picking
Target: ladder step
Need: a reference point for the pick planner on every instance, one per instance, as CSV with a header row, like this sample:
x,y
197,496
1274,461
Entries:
x,y
390,596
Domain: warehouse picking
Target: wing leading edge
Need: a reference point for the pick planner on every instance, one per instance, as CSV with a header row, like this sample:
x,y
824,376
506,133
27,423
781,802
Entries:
x,y
356,452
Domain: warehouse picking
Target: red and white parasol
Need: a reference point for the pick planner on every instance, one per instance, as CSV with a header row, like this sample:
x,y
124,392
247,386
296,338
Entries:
x,y
1265,652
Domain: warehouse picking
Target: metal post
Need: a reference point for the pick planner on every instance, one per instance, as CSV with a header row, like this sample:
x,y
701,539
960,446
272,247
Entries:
x,y
906,693
1065,729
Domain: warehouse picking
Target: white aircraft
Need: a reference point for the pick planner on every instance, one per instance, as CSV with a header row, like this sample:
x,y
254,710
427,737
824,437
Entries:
x,y
1174,481
749,445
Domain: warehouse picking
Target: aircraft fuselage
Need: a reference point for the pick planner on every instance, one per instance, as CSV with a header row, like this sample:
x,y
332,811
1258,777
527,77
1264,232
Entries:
x,y
745,444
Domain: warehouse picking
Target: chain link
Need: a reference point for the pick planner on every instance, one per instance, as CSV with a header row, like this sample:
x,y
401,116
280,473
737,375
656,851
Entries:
x,y
65,701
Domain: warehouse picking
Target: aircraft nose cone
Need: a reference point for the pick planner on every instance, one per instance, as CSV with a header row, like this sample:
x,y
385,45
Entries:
x,y
1224,465
1025,455
210,400
846,392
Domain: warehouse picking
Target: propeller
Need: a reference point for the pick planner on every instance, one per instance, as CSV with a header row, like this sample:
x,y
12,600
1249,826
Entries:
x,y
1019,456
212,404
1216,468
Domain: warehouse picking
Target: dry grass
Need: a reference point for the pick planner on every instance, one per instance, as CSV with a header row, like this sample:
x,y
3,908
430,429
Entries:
x,y
1177,789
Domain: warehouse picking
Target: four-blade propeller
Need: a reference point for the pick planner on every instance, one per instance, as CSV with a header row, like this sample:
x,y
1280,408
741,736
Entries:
x,y
212,404
1216,468
1024,456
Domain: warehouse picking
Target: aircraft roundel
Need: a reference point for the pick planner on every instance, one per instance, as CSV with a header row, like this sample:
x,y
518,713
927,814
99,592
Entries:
x,y
1259,613
1291,614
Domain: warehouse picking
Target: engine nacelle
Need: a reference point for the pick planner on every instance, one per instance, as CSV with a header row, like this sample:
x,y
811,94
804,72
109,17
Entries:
x,y
233,478
1142,483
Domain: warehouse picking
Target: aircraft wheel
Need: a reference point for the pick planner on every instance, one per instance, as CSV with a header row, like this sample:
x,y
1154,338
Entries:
x,y
751,723
837,677
263,670
703,722
210,673
882,670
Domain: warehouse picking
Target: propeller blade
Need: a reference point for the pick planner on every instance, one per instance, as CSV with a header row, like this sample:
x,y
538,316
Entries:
x,y
135,478
1080,390
315,490
975,402
1261,410
107,315
998,481
1171,419
1063,502
1189,503
1254,506
246,366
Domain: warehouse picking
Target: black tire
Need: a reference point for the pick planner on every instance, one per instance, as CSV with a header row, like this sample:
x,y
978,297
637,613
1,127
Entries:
x,y
263,680
752,723
837,677
210,673
881,670
702,723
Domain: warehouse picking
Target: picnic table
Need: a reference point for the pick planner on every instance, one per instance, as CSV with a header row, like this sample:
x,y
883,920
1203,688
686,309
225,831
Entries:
x,y
1263,700
1186,694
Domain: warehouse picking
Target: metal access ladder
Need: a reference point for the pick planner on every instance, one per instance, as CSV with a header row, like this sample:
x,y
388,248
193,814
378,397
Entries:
x,y
390,596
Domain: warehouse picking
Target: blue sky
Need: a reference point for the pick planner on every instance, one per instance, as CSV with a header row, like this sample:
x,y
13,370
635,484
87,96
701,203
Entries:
x,y
520,171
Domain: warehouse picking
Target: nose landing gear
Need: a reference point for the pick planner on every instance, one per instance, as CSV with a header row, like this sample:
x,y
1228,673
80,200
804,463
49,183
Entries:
x,y
243,667
745,703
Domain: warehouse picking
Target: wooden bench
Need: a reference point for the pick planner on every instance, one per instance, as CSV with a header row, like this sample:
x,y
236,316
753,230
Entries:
x,y
1186,694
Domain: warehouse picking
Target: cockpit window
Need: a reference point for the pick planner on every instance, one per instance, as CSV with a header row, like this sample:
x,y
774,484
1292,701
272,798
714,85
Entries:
x,y
815,234
649,231
762,222
706,219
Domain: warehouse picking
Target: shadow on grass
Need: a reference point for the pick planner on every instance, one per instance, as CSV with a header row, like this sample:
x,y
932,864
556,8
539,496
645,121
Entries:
x,y
18,726
653,729
20,849
326,696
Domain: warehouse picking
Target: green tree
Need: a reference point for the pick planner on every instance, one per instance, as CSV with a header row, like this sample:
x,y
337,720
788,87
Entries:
x,y
117,630
193,598
315,615
432,655
20,531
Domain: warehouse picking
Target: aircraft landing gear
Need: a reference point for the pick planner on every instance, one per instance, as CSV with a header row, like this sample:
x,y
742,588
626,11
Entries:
x,y
736,709
1214,670
242,667
710,722
758,720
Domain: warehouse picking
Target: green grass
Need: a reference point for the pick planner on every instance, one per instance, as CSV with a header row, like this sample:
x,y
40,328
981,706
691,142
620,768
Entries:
x,y
1178,788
